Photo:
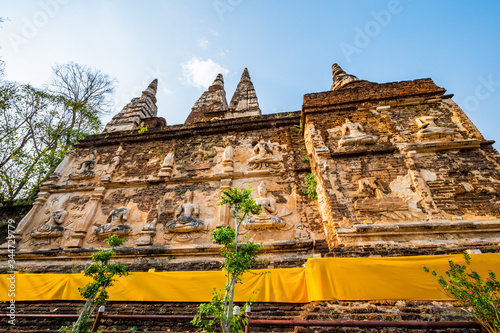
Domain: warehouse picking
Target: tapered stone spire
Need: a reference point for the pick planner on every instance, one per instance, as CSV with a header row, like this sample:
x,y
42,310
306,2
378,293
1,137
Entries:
x,y
212,104
133,114
341,78
244,102
151,90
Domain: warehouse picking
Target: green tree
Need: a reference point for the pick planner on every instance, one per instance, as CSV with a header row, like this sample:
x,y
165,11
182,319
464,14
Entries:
x,y
478,296
238,259
103,274
38,127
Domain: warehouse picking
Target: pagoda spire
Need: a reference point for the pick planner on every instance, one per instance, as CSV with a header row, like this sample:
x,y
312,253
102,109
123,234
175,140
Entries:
x,y
244,101
132,114
212,104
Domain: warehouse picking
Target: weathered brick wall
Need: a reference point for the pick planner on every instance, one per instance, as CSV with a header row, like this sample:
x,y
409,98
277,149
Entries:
x,y
333,310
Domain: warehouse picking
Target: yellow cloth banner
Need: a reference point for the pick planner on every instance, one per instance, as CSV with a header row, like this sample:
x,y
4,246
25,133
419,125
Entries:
x,y
398,278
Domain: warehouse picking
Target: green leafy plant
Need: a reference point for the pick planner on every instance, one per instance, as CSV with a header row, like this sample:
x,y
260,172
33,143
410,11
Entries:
x,y
305,159
478,296
143,128
238,259
103,274
311,186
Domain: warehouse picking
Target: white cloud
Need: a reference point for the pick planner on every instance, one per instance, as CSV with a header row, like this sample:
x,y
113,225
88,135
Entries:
x,y
203,43
222,53
201,73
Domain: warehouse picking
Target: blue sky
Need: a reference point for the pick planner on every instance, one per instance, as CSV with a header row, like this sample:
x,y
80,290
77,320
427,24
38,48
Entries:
x,y
288,47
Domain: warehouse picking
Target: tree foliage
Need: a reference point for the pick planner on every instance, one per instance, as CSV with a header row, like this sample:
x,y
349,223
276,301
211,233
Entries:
x,y
238,259
103,274
83,85
37,128
478,296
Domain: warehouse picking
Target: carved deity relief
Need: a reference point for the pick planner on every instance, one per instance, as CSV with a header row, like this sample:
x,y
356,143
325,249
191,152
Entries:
x,y
429,129
112,166
84,169
264,158
167,166
115,224
302,233
186,225
268,217
199,160
52,226
401,204
353,135
186,217
148,231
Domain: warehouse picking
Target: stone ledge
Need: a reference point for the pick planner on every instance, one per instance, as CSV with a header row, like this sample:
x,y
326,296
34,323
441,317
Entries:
x,y
416,233
429,147
423,226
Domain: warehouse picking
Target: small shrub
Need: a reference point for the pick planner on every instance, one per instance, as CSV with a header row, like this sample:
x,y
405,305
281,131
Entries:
x,y
143,128
305,159
311,186
478,296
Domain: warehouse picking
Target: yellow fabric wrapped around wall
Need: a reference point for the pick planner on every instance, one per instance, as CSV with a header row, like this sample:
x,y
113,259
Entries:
x,y
395,278
398,278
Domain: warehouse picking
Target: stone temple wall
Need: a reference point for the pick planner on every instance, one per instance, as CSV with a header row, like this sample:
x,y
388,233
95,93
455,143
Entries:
x,y
397,164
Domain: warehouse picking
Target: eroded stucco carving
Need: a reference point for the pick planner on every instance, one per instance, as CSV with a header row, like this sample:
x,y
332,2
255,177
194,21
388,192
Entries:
x,y
167,166
115,224
84,169
52,226
264,158
186,218
353,135
267,218
429,130
228,159
400,204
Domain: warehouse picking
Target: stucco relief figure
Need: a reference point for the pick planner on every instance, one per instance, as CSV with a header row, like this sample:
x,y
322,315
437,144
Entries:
x,y
378,202
353,135
302,233
186,217
167,166
84,169
148,231
114,223
264,158
267,217
200,160
228,159
429,129
53,225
